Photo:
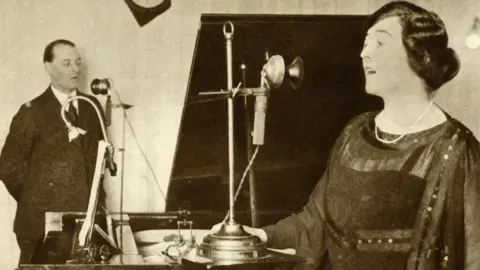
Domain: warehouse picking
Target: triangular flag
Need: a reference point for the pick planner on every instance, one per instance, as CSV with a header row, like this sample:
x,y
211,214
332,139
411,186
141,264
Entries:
x,y
144,11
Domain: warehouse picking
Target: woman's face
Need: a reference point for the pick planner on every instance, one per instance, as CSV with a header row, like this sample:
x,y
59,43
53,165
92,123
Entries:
x,y
384,58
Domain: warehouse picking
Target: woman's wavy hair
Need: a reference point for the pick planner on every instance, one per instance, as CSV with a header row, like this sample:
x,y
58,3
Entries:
x,y
426,42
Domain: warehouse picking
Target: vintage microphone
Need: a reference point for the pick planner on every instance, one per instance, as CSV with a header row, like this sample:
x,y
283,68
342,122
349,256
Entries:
x,y
102,87
273,74
105,87
231,243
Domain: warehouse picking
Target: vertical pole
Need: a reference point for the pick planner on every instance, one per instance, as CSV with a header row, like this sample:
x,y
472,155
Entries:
x,y
231,173
122,177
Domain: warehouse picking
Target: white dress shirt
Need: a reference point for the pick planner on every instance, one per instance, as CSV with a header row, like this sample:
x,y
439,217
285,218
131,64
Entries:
x,y
62,97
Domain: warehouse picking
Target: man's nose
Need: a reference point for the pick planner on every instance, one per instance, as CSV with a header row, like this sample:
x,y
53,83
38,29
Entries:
x,y
76,68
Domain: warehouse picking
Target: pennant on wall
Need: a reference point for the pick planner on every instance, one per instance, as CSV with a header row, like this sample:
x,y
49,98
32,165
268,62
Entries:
x,y
146,10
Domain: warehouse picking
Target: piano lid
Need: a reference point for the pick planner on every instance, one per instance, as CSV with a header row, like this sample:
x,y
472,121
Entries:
x,y
301,125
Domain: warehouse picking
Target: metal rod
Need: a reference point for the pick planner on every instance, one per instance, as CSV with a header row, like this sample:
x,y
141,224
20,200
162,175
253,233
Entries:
x,y
251,172
208,93
244,91
122,179
231,173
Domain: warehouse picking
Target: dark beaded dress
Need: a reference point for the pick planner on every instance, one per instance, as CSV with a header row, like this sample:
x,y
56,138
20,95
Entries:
x,y
378,205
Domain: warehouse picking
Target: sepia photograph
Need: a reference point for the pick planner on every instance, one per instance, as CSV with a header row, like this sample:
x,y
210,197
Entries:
x,y
240,134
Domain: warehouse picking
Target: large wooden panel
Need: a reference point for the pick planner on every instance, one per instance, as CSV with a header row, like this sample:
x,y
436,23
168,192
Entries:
x,y
301,125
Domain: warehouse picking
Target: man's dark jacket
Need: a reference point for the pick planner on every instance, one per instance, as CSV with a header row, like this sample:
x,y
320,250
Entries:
x,y
41,169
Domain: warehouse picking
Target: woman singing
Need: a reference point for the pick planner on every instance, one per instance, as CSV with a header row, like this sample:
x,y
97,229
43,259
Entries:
x,y
401,189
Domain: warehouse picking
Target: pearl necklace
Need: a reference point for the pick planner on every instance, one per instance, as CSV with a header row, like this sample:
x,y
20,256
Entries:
x,y
404,134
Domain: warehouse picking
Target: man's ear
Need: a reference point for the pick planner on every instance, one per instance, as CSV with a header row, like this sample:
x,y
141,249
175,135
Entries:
x,y
48,67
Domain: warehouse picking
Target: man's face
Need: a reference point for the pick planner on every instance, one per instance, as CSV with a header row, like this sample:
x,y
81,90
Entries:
x,y
65,68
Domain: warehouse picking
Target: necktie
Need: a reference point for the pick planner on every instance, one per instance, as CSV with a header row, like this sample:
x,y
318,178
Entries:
x,y
72,114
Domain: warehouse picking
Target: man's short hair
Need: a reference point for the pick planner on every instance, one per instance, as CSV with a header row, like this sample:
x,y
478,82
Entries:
x,y
48,53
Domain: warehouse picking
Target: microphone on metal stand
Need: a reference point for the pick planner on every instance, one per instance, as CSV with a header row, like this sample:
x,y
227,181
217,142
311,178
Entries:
x,y
102,87
231,242
106,87
273,74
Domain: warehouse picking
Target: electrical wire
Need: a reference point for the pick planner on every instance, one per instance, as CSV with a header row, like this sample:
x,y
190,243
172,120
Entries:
x,y
132,130
247,169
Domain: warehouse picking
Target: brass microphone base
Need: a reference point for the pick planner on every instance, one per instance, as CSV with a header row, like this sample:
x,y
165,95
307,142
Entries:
x,y
232,244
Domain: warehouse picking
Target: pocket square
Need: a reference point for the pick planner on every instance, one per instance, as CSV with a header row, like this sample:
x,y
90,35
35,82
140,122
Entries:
x,y
74,132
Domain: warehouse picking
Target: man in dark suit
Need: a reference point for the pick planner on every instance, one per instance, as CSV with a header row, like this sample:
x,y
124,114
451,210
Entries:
x,y
41,168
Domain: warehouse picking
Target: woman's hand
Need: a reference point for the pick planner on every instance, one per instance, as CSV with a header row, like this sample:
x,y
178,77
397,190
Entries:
x,y
253,231
258,232
216,227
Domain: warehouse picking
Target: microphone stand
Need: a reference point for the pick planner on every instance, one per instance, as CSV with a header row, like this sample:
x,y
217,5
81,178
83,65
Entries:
x,y
231,243
124,107
103,87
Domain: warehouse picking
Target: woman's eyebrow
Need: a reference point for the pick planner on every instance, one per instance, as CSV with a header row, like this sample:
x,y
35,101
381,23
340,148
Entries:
x,y
381,31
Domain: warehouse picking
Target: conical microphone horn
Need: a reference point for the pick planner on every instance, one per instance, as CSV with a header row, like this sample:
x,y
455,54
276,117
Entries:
x,y
295,72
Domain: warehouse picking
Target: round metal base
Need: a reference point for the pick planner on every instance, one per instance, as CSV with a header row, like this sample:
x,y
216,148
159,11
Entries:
x,y
232,243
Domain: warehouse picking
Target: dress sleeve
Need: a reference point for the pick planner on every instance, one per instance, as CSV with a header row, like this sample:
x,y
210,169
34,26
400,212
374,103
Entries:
x,y
16,151
472,205
303,231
